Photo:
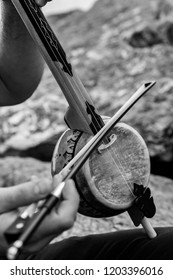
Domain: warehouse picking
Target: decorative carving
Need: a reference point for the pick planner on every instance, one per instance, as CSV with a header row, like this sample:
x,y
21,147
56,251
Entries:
x,y
46,34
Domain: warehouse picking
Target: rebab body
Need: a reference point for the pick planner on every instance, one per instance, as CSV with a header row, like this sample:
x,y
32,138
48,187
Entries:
x,y
106,181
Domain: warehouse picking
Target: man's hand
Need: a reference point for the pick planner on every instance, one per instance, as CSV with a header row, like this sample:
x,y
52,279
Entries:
x,y
61,217
42,3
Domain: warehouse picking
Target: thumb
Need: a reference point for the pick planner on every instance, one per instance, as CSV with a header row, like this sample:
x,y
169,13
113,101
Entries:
x,y
24,194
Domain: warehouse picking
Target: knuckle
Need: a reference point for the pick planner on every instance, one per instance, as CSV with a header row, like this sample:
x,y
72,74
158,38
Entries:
x,y
42,187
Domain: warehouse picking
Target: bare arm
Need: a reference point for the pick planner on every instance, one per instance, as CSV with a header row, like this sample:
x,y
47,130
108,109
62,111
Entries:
x,y
21,65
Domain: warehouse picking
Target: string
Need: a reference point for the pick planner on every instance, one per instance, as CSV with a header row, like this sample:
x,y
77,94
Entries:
x,y
90,111
122,165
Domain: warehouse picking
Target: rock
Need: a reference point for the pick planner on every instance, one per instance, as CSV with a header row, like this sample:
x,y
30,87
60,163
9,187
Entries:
x,y
170,33
165,29
37,145
145,38
16,170
33,128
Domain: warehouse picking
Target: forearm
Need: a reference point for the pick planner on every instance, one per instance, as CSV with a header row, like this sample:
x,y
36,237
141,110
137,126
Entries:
x,y
21,64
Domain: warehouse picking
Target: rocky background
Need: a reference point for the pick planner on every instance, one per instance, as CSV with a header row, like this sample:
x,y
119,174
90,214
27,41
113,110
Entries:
x,y
114,47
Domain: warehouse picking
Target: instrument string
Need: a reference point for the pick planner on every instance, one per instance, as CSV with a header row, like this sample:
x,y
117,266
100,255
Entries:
x,y
122,160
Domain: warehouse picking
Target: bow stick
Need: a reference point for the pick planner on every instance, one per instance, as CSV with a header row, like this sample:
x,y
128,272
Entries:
x,y
70,170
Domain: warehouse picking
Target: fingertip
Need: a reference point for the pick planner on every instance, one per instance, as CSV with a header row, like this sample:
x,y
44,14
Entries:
x,y
40,3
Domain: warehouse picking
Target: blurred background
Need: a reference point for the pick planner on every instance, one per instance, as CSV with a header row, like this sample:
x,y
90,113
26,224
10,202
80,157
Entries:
x,y
114,46
60,6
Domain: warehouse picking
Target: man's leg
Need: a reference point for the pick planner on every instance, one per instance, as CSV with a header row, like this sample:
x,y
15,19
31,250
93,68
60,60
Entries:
x,y
126,244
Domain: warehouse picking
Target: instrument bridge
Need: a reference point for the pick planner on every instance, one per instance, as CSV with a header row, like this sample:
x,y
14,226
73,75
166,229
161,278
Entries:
x,y
103,147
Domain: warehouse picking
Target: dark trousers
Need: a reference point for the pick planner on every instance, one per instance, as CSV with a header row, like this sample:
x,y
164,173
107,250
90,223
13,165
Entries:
x,y
120,245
